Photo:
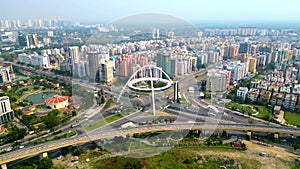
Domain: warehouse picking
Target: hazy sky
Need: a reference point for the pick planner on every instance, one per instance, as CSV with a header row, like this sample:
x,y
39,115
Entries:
x,y
191,10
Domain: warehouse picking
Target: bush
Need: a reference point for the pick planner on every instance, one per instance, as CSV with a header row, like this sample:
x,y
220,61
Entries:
x,y
45,163
77,151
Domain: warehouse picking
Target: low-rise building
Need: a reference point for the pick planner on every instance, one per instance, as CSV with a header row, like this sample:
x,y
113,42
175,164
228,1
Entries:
x,y
280,99
298,104
253,94
254,84
296,89
277,99
273,88
242,92
286,88
290,101
57,102
263,85
34,59
265,97
277,110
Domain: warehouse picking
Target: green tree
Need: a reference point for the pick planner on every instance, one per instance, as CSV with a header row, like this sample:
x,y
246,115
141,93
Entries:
x,y
16,144
65,151
248,137
51,121
74,113
45,163
41,127
224,134
77,151
102,100
23,167
296,146
110,102
132,164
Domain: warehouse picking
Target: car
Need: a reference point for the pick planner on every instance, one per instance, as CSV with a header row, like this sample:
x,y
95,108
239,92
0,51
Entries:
x,y
20,147
60,157
234,137
9,149
57,132
75,125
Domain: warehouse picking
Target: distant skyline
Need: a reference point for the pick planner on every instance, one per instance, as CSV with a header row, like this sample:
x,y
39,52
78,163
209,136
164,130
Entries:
x,y
107,11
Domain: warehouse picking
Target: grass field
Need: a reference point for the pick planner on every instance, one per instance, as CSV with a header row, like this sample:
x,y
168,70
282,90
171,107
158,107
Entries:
x,y
264,112
102,122
178,158
120,82
292,118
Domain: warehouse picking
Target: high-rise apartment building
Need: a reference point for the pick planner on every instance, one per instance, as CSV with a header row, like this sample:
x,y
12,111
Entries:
x,y
176,91
73,54
233,51
244,48
106,73
252,64
93,62
174,68
216,81
164,61
5,75
6,113
32,41
246,31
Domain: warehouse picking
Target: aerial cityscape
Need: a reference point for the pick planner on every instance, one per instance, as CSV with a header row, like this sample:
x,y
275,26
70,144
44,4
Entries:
x,y
149,84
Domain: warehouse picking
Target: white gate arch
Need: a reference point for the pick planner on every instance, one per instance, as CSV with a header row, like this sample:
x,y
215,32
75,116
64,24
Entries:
x,y
143,70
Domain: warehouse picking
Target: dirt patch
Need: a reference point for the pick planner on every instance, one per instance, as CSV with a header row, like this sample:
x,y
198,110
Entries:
x,y
276,157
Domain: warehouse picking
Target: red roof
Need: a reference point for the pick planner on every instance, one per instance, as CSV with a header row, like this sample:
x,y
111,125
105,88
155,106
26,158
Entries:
x,y
237,145
2,128
56,99
18,107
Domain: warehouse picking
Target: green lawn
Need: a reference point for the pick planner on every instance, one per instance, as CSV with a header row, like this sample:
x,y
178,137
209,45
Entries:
x,y
102,122
120,81
113,118
264,112
292,118
245,109
148,134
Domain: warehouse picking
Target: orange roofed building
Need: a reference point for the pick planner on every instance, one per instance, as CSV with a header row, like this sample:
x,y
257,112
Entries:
x,y
57,102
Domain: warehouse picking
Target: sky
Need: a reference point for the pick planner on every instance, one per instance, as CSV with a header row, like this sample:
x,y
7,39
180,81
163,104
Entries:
x,y
190,10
